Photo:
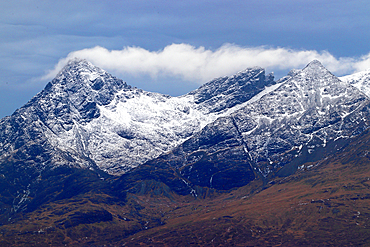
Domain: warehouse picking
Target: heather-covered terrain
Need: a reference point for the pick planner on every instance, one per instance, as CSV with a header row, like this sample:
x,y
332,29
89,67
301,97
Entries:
x,y
325,203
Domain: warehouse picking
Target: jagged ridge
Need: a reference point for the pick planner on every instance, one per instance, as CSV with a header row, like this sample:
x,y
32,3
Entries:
x,y
87,118
309,115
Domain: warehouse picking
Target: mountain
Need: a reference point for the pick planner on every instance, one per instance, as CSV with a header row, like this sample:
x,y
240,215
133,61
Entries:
x,y
309,115
323,204
88,118
360,80
242,160
222,135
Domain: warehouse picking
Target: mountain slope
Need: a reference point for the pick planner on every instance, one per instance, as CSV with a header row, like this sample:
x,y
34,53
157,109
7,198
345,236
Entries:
x,y
226,92
87,118
307,117
222,135
312,109
325,203
360,80
287,165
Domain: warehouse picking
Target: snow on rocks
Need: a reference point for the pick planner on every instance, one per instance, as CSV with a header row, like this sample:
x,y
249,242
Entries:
x,y
92,119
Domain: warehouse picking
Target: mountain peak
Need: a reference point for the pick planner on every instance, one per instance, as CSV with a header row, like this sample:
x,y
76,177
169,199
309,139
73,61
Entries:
x,y
315,68
315,63
77,60
227,91
315,76
78,67
80,74
79,63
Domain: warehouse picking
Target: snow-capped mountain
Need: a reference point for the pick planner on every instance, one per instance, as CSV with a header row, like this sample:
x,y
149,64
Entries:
x,y
233,131
309,113
85,117
311,109
360,80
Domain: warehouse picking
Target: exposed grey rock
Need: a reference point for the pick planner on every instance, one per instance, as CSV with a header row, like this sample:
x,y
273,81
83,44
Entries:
x,y
310,111
87,118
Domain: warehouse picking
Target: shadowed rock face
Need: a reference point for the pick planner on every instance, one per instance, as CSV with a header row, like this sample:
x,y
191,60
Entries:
x,y
226,92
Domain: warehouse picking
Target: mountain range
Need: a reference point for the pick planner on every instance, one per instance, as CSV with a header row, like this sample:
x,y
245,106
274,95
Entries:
x,y
90,150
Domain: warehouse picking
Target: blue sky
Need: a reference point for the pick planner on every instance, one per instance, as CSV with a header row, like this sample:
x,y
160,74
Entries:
x,y
174,46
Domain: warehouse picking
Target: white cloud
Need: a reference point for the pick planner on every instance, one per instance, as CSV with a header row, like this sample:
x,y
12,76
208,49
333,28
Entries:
x,y
200,64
